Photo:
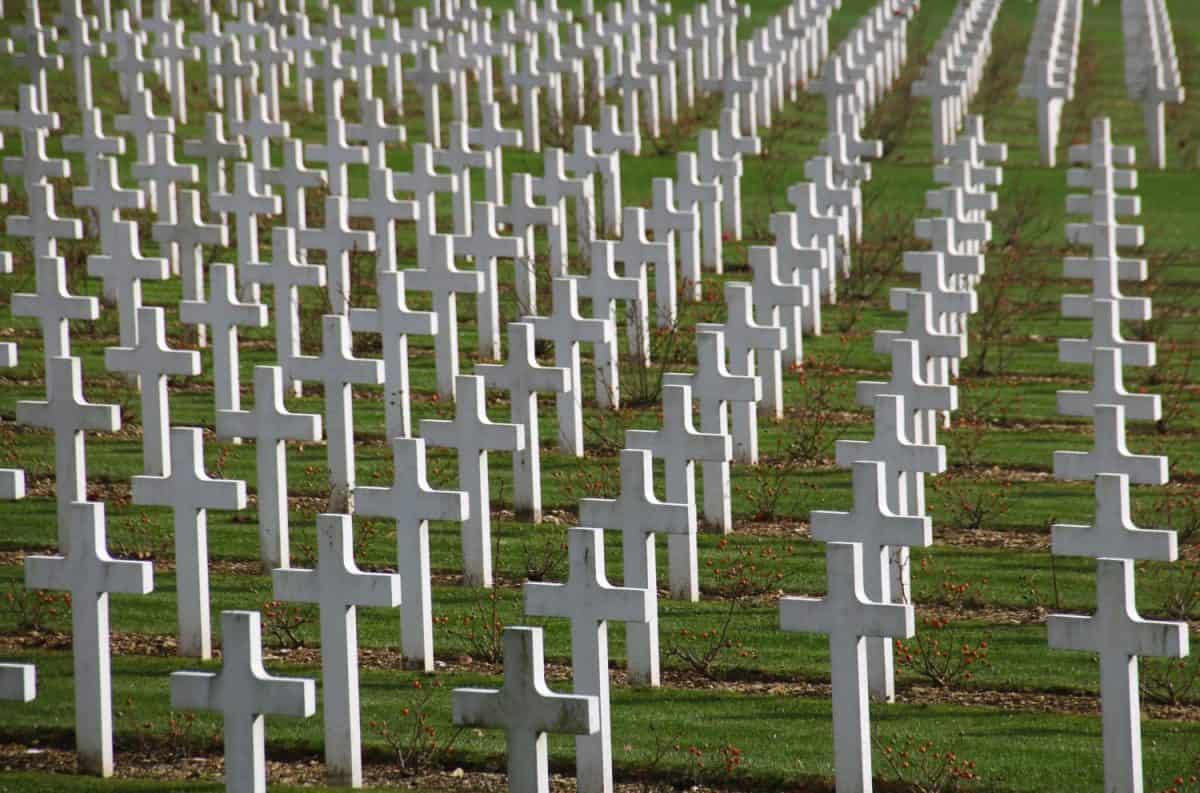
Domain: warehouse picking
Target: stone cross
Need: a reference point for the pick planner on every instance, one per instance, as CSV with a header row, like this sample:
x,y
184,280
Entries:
x,y
526,709
286,272
89,574
771,292
744,339
669,224
1106,332
1108,388
337,241
338,587
394,321
215,150
485,245
69,416
472,435
91,142
566,329
106,197
1109,455
270,424
294,178
605,288
492,137
444,282
714,387
902,456
639,515
678,444
637,251
18,682
882,533
587,162
1113,533
412,503
376,134
246,203
725,171
1119,635
383,209
700,196
54,307
556,187
921,400
848,616
936,347
800,262
523,377
459,158
337,369
190,493
523,216
42,226
223,313
186,237
161,174
152,361
244,694
590,602
143,125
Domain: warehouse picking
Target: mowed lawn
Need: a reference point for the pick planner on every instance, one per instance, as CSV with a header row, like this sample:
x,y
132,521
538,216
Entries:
x,y
1022,713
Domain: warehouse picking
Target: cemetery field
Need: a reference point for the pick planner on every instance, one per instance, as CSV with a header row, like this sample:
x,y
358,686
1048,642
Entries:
x,y
743,705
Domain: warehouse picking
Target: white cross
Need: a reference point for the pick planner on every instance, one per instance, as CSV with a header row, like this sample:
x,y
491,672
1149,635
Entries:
x,y
726,171
1113,533
54,307
395,322
337,369
143,125
771,292
713,387
104,194
337,241
190,493
338,587
678,444
802,263
485,245
556,188
214,149
523,216
383,209
259,129
223,313
611,138
427,75
151,361
89,574
698,196
271,425
445,281
246,203
1119,635
69,416
1106,332
1109,455
91,142
523,377
669,223
637,251
412,503
848,616
1108,388
605,288
565,328
527,710
186,237
590,602
42,225
425,183
586,161
286,272
472,435
744,339
374,132
243,693
161,174
883,534
460,159
492,137
639,515
902,456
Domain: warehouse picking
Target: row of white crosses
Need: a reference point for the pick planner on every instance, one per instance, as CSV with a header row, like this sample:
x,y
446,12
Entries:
x,y
1152,76
954,70
1050,66
868,601
1115,631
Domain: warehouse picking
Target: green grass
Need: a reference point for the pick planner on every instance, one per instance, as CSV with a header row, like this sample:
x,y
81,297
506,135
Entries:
x,y
999,448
